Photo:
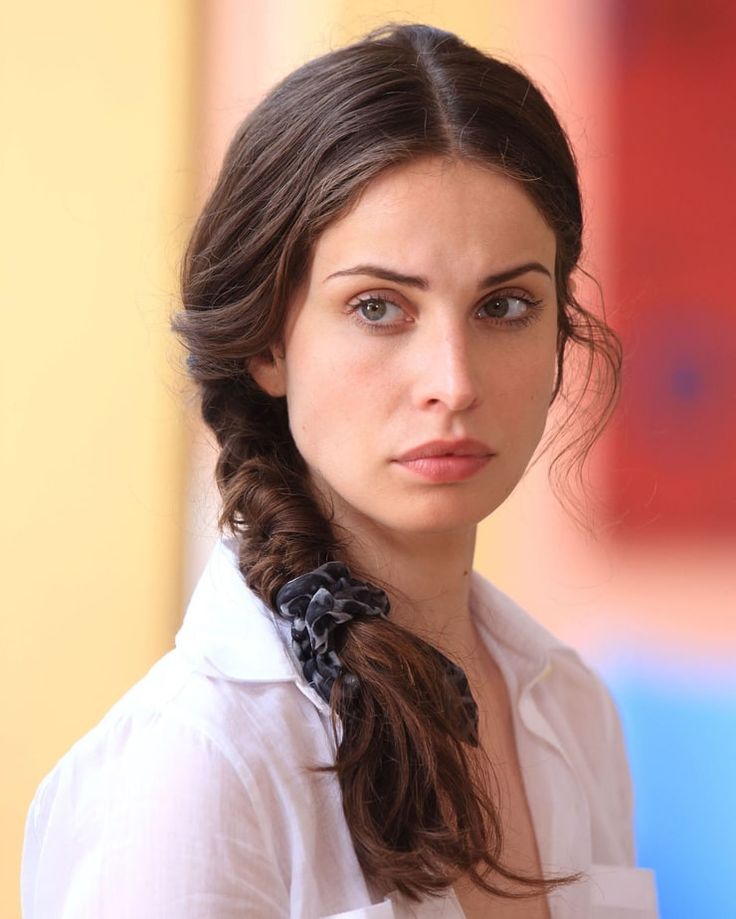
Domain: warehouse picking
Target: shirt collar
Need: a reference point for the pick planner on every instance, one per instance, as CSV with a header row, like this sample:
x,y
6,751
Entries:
x,y
507,628
229,632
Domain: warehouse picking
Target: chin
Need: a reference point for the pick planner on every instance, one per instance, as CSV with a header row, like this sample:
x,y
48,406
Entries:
x,y
443,510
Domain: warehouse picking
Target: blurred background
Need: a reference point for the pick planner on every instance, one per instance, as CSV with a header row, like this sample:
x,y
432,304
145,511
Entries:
x,y
115,118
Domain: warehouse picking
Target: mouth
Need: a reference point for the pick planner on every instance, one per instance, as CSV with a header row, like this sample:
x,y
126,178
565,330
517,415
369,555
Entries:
x,y
446,448
446,461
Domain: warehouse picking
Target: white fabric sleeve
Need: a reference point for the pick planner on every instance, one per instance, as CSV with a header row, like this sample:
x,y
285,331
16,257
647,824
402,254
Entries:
x,y
612,802
619,778
150,820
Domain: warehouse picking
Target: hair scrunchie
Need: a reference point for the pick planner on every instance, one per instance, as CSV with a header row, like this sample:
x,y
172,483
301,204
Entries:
x,y
319,602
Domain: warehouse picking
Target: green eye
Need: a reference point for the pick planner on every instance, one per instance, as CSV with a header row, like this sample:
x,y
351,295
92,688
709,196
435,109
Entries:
x,y
373,308
511,309
506,307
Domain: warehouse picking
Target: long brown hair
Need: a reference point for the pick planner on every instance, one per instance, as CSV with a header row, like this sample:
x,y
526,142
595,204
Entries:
x,y
418,810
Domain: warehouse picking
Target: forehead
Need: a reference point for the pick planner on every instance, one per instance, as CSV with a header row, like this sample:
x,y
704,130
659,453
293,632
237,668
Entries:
x,y
443,213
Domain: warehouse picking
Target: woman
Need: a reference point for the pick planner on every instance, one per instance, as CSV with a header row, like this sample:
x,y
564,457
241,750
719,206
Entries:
x,y
378,311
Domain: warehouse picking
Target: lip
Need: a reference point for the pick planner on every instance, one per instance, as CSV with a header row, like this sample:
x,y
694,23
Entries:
x,y
446,460
434,448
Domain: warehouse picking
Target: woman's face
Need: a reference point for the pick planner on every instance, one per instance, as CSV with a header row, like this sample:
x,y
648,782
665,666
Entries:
x,y
429,314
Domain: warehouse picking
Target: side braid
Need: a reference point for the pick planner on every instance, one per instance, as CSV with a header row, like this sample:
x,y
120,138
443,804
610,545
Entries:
x,y
262,480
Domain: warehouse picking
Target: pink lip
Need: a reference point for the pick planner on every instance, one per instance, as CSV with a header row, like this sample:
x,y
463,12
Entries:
x,y
447,461
465,447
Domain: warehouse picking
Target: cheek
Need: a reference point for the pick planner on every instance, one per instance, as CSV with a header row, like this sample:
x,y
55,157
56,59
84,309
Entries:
x,y
523,390
332,393
525,378
541,368
538,386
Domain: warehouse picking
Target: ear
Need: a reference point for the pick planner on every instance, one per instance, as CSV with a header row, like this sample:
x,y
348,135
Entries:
x,y
269,371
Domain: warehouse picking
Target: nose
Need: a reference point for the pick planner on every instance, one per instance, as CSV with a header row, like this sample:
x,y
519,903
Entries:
x,y
446,374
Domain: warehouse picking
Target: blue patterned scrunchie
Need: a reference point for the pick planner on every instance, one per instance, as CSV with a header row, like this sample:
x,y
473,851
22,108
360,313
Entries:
x,y
319,602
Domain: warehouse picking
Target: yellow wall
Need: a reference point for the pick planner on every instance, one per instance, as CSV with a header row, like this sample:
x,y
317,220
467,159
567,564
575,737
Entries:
x,y
96,180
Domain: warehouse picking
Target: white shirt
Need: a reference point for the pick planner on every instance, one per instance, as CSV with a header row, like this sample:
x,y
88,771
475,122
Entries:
x,y
191,798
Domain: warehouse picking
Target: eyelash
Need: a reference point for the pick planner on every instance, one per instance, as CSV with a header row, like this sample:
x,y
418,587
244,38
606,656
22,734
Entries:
x,y
377,328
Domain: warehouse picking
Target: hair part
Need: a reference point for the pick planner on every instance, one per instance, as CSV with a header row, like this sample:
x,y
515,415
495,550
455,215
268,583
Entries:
x,y
419,809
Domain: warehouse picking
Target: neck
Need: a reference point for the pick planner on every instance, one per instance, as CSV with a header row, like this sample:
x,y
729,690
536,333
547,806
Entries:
x,y
427,577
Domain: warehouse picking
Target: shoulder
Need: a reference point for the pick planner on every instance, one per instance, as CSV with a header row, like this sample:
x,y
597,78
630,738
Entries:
x,y
164,732
176,715
181,743
583,706
562,699
545,665
587,722
184,786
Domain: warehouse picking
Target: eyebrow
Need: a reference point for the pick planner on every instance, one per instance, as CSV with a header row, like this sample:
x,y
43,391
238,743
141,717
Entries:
x,y
387,274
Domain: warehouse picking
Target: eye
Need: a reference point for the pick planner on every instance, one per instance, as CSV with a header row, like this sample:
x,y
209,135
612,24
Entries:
x,y
510,307
373,309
